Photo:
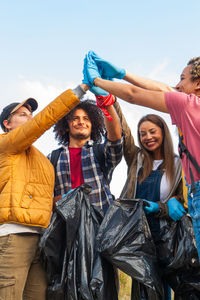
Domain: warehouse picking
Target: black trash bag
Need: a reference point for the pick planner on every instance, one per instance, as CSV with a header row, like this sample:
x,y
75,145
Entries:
x,y
53,256
178,258
77,272
141,292
124,239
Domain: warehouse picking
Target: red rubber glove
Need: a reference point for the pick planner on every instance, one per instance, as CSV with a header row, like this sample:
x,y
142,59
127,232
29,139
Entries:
x,y
103,101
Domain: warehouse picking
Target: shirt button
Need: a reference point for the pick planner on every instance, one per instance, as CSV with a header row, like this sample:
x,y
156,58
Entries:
x,y
30,196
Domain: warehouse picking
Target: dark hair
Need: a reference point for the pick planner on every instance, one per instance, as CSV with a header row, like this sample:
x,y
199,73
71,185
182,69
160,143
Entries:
x,y
195,70
167,151
95,115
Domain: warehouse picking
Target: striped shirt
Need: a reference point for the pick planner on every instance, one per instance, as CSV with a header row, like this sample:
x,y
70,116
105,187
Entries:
x,y
93,174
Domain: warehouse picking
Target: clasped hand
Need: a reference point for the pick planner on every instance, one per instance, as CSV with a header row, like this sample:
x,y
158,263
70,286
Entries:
x,y
95,66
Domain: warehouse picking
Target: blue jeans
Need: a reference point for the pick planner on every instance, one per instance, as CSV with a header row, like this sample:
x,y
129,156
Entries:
x,y
194,210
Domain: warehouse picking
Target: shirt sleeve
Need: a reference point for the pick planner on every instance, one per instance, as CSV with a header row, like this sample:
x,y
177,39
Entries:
x,y
176,103
113,152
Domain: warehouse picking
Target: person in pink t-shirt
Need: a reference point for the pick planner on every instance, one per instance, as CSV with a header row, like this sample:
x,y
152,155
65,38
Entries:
x,y
183,105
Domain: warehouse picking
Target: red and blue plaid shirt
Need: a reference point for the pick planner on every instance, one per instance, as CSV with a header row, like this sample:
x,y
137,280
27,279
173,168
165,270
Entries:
x,y
93,175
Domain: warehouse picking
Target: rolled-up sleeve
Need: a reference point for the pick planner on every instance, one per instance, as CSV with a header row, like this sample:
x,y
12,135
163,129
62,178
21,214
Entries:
x,y
113,152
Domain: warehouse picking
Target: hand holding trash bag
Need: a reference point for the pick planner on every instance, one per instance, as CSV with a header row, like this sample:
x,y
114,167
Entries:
x,y
124,239
150,207
176,210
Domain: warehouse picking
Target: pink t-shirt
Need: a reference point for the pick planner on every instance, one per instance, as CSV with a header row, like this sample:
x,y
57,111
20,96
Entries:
x,y
185,113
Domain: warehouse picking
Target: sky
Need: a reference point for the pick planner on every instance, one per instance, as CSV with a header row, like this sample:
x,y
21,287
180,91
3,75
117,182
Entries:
x,y
43,44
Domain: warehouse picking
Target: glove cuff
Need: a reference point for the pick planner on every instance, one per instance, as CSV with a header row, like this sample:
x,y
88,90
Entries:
x,y
163,211
103,101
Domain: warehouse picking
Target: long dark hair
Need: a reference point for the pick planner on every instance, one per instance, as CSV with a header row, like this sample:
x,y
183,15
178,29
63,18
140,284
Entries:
x,y
95,115
167,151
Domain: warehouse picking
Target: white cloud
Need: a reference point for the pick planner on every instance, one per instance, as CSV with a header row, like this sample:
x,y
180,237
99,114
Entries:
x,y
162,71
162,74
155,73
43,93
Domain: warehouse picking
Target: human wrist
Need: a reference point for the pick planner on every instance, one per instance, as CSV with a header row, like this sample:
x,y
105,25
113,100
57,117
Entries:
x,y
104,101
156,207
85,87
95,81
163,211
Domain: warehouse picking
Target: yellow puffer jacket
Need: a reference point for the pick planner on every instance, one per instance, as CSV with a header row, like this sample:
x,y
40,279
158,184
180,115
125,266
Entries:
x,y
26,175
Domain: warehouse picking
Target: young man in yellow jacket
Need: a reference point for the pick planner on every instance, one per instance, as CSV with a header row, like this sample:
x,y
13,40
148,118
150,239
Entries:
x,y
26,189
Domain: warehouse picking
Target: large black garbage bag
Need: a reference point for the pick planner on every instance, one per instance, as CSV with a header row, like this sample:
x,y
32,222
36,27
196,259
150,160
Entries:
x,y
178,258
75,269
124,239
53,256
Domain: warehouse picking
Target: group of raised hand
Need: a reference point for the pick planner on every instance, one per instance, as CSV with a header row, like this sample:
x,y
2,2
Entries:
x,y
95,66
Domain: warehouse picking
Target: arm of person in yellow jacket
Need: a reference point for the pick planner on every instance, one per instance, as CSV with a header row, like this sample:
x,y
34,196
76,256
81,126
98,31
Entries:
x,y
22,137
129,146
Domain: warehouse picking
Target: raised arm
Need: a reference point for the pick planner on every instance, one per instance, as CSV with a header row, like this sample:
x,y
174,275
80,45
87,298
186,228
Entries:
x,y
133,94
22,137
108,71
114,130
147,84
128,92
129,147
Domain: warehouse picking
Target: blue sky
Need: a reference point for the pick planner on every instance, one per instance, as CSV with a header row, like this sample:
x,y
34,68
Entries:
x,y
43,44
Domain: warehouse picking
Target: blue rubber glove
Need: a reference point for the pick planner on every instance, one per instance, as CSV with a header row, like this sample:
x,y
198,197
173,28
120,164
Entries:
x,y
85,76
176,210
95,89
151,207
90,70
108,70
98,91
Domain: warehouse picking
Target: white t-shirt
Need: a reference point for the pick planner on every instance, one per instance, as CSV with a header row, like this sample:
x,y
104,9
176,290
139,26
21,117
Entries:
x,y
12,228
165,186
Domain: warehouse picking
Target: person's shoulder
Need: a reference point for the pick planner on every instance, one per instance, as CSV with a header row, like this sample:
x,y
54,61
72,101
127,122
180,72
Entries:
x,y
55,152
175,95
177,101
194,98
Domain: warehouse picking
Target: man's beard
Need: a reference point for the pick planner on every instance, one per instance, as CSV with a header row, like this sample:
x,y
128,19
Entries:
x,y
80,136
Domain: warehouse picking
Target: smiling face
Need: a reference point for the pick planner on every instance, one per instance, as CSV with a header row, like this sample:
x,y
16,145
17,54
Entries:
x,y
151,138
19,117
186,85
80,126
